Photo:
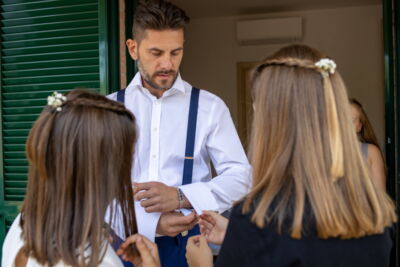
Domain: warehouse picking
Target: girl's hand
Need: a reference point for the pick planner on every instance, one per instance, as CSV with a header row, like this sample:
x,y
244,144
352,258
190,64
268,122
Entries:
x,y
145,254
198,254
213,226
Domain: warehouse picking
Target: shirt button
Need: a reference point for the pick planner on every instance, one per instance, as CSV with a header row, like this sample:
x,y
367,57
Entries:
x,y
154,156
155,129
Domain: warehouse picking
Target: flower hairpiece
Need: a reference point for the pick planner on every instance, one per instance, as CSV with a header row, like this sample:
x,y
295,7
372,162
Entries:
x,y
328,66
56,100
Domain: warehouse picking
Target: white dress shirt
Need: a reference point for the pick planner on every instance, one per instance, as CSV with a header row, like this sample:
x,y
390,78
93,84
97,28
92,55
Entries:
x,y
160,150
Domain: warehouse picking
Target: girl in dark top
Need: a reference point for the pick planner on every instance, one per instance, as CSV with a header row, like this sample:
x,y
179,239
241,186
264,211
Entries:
x,y
369,142
313,201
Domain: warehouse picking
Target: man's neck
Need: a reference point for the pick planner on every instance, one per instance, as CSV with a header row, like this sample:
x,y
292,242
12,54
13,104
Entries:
x,y
156,92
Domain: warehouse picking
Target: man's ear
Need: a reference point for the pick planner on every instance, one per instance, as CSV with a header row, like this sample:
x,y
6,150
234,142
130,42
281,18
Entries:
x,y
132,46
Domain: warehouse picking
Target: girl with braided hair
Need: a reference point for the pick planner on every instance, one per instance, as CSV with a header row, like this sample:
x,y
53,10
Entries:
x,y
313,201
80,152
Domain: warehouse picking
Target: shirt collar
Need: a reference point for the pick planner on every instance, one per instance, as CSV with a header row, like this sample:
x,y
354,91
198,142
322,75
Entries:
x,y
178,85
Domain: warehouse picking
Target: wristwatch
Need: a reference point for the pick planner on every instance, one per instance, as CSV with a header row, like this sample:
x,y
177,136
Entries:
x,y
180,196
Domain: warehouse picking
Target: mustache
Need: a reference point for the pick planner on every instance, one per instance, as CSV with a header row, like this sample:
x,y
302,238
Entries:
x,y
163,72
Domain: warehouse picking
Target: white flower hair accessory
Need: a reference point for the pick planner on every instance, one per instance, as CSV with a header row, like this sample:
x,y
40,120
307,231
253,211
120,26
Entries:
x,y
327,65
56,100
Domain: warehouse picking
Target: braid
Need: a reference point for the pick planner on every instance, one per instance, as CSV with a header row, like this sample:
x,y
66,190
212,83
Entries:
x,y
289,62
88,99
115,107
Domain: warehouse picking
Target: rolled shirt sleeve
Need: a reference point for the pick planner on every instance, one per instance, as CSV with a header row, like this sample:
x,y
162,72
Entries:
x,y
229,159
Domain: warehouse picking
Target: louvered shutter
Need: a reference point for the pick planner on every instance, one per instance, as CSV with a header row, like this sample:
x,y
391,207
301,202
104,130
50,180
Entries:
x,y
46,45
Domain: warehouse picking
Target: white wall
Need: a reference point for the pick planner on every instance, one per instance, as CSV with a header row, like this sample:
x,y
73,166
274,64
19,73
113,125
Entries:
x,y
352,36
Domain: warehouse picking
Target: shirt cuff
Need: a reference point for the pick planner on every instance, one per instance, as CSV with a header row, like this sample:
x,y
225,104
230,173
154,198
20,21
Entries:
x,y
186,212
146,222
200,197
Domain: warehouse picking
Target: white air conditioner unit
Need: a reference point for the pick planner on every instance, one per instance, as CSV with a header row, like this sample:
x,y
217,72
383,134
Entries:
x,y
269,30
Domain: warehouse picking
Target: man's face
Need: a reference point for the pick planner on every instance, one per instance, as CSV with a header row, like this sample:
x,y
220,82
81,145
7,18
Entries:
x,y
158,55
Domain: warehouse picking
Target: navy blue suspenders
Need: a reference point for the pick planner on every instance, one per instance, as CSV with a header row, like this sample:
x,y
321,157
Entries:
x,y
190,134
172,249
121,96
190,137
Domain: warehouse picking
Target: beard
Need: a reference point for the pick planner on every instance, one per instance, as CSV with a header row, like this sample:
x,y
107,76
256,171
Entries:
x,y
150,79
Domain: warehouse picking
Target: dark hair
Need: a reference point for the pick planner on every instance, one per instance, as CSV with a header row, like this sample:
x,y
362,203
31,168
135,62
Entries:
x,y
79,163
157,15
366,134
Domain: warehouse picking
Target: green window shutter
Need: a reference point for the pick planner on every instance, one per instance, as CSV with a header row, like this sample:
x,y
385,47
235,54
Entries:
x,y
46,46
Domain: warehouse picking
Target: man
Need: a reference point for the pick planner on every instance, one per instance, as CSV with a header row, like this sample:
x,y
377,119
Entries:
x,y
171,172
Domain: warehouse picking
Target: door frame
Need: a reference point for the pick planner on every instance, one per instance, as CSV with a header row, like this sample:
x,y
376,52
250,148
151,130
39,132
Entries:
x,y
391,29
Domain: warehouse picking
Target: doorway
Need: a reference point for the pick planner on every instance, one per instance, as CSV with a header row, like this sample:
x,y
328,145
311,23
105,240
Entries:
x,y
362,36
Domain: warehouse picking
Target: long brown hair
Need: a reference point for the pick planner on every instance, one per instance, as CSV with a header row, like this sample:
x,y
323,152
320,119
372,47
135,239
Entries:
x,y
366,134
79,163
304,153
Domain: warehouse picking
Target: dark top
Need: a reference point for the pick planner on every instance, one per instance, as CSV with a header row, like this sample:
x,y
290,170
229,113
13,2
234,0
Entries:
x,y
247,245
364,150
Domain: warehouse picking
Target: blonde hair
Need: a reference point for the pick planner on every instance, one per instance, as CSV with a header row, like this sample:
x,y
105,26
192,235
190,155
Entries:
x,y
305,154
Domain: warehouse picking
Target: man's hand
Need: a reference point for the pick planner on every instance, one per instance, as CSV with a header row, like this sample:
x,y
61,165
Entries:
x,y
173,223
156,197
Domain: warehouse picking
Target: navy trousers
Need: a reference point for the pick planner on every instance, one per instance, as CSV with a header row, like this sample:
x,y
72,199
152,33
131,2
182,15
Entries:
x,y
172,250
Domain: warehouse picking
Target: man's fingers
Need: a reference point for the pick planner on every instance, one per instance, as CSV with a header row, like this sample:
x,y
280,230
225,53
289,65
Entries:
x,y
173,223
176,229
144,195
186,220
134,185
176,218
144,186
150,202
153,208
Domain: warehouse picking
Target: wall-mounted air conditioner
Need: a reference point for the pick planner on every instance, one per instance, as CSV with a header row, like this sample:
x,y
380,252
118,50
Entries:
x,y
264,31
